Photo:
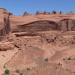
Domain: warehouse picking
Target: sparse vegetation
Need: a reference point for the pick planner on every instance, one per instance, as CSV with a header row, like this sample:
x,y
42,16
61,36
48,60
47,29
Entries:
x,y
6,72
44,12
60,12
37,12
25,13
71,12
54,12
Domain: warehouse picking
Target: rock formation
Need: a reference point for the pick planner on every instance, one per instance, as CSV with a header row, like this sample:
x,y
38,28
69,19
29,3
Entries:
x,y
42,44
4,23
32,23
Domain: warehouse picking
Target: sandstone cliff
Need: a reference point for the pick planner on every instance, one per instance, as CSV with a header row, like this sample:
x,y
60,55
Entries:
x,y
42,44
33,23
4,23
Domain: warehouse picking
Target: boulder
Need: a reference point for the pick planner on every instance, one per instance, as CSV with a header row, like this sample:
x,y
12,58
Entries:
x,y
4,46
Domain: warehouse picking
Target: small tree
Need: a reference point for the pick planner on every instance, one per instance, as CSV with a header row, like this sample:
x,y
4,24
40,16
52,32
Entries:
x,y
25,13
44,12
71,12
54,12
37,12
60,12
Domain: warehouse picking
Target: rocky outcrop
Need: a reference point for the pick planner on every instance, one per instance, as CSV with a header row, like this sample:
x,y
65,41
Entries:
x,y
33,23
4,46
4,23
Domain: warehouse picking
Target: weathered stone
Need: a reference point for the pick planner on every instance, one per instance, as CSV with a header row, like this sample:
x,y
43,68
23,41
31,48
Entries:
x,y
66,25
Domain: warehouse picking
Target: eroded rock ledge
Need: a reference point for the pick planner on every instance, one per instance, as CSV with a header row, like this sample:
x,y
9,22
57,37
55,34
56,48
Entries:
x,y
34,23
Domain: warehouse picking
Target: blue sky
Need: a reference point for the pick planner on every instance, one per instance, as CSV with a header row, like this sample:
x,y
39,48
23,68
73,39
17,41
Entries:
x,y
17,7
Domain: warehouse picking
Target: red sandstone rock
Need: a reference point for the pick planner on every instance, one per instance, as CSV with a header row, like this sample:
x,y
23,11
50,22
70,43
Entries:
x,y
42,44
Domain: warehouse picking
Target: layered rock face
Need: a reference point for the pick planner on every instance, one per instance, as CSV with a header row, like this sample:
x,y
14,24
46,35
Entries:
x,y
34,23
41,44
37,26
38,22
67,25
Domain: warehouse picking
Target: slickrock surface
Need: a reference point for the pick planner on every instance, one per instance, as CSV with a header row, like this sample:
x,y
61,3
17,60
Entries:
x,y
42,44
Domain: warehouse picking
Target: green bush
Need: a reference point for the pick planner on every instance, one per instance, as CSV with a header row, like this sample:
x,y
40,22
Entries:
x,y
6,72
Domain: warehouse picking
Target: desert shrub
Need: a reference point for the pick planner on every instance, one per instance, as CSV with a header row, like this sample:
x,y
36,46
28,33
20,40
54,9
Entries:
x,y
71,12
60,12
37,12
54,12
6,72
44,12
25,13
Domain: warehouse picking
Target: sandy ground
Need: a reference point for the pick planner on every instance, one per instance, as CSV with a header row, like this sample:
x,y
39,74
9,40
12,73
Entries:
x,y
5,56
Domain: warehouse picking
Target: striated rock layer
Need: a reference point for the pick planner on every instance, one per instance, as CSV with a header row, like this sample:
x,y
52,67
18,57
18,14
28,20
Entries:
x,y
32,23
